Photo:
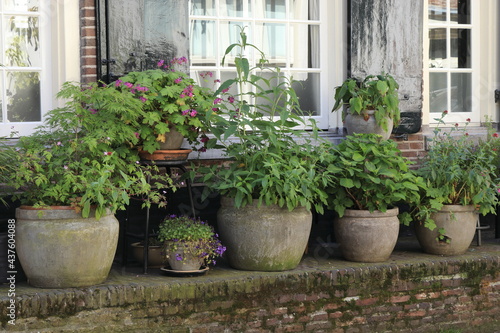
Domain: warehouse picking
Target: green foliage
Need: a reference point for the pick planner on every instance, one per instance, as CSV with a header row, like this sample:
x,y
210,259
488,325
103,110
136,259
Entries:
x,y
375,92
82,157
272,159
171,99
370,174
194,236
458,171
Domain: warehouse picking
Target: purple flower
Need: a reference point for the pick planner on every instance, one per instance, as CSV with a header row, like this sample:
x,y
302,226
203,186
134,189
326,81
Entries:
x,y
93,111
160,63
185,112
143,99
193,113
178,80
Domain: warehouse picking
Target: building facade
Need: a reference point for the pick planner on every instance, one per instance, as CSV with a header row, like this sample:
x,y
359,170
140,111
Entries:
x,y
443,53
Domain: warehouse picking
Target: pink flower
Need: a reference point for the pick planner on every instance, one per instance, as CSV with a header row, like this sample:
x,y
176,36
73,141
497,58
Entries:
x,y
58,143
456,124
225,90
204,139
160,63
107,153
193,113
495,135
467,120
136,135
217,100
178,80
185,112
128,84
143,99
118,83
65,167
230,99
445,112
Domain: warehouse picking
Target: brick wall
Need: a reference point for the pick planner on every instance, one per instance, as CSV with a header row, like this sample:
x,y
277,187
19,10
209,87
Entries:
x,y
88,30
429,296
413,147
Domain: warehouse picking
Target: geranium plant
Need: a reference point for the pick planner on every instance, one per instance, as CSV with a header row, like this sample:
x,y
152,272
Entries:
x,y
171,100
458,170
374,92
371,174
261,129
194,236
81,157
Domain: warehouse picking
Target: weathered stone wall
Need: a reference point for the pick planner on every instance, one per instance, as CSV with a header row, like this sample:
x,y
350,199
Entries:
x,y
386,36
417,297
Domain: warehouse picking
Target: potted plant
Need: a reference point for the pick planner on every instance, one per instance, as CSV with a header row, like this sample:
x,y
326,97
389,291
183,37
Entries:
x,y
174,108
188,243
155,256
272,180
461,177
371,178
72,175
373,104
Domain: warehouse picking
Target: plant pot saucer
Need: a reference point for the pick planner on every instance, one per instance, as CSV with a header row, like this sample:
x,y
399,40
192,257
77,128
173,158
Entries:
x,y
168,271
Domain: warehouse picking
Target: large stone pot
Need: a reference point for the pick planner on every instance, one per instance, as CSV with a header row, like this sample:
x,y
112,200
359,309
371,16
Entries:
x,y
265,238
366,123
58,248
365,236
459,223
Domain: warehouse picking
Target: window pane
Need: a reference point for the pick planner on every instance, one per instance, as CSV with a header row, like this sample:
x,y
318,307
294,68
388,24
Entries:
x,y
272,37
22,5
23,96
273,9
235,8
203,43
304,10
461,92
460,11
22,36
229,34
307,87
437,48
202,7
460,48
438,92
305,43
1,96
437,11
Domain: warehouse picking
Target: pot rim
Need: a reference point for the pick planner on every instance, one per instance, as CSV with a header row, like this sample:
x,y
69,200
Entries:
x,y
376,213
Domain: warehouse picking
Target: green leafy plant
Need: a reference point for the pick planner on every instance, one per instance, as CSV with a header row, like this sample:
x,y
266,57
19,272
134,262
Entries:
x,y
171,100
260,128
458,170
194,236
374,92
82,157
371,174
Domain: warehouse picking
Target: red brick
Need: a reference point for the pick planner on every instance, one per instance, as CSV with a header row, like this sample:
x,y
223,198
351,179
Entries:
x,y
400,299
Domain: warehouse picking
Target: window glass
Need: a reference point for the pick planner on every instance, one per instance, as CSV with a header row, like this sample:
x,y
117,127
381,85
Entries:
x,y
450,56
287,31
21,65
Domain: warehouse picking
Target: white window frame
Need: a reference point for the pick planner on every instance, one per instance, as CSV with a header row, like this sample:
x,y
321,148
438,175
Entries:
x,y
475,116
59,24
332,23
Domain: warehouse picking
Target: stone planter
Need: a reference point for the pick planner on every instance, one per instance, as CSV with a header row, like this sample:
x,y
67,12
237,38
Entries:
x,y
189,261
366,123
365,236
265,238
58,248
459,224
173,140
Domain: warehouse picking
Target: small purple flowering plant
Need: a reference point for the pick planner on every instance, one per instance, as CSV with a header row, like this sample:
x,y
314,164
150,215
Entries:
x,y
170,100
194,236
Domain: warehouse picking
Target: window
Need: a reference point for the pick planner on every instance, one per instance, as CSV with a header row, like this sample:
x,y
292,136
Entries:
x,y
294,35
452,59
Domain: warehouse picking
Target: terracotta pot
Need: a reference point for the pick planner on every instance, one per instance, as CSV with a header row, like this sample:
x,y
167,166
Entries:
x,y
365,236
366,123
166,155
459,224
58,248
265,238
155,257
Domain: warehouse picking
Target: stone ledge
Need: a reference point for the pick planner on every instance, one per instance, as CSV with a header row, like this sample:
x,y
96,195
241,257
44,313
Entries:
x,y
324,292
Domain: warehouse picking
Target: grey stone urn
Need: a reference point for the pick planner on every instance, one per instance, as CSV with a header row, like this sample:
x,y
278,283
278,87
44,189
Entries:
x,y
459,224
265,238
366,123
58,248
365,236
